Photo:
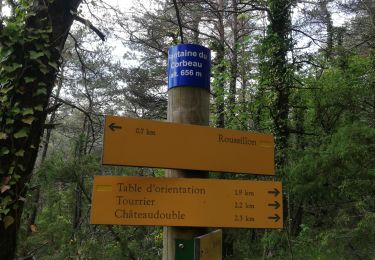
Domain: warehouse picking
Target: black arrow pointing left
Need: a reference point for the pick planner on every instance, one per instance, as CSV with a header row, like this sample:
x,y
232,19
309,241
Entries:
x,y
113,126
275,217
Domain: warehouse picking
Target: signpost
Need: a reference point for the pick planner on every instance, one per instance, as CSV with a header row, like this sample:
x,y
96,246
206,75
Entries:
x,y
186,202
137,142
189,149
188,103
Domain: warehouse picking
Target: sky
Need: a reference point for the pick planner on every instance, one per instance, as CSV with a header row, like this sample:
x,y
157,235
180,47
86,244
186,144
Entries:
x,y
126,7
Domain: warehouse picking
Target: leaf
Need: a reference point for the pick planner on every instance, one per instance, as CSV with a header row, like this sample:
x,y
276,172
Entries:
x,y
5,90
5,211
16,110
53,65
20,153
48,54
35,55
28,120
15,178
3,136
9,121
38,108
21,167
21,133
5,53
4,151
21,90
29,79
6,201
27,111
33,228
29,13
44,70
40,91
11,170
6,180
12,68
49,29
8,221
4,188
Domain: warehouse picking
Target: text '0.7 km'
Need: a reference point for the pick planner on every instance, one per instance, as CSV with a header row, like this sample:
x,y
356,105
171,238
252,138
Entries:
x,y
147,143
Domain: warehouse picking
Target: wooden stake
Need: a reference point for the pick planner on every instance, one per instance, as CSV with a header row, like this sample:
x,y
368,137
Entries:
x,y
188,105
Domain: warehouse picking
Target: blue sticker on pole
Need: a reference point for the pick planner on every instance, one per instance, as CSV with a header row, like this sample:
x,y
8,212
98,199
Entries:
x,y
189,65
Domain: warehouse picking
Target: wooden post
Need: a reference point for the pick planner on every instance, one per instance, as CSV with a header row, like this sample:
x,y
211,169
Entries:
x,y
188,105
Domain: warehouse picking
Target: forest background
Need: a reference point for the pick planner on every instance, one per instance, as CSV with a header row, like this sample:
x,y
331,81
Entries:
x,y
302,70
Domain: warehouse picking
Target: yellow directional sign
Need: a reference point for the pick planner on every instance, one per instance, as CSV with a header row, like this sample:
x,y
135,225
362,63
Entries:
x,y
209,246
137,142
186,202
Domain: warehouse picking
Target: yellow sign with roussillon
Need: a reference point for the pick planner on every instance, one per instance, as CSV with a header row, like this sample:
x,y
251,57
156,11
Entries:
x,y
147,143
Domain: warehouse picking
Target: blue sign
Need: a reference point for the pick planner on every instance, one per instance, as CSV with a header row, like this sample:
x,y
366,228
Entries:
x,y
189,65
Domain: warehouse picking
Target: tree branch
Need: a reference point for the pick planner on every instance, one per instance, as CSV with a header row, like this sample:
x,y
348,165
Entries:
x,y
91,26
179,20
309,36
294,131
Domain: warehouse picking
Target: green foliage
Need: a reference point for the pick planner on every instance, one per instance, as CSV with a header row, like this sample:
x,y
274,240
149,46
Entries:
x,y
339,95
324,113
221,75
336,184
55,235
19,70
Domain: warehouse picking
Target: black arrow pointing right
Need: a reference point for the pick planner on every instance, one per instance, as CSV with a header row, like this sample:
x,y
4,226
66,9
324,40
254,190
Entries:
x,y
274,192
276,204
113,126
275,217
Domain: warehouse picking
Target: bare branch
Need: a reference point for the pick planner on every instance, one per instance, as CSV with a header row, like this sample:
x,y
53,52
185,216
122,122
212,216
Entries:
x,y
179,20
316,41
90,25
310,63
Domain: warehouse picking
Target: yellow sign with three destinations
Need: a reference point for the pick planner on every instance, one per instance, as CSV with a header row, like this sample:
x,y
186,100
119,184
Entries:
x,y
186,202
147,143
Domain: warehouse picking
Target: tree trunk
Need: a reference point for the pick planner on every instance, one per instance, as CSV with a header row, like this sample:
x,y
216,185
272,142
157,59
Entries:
x,y
219,81
52,118
371,98
29,75
280,75
233,66
35,203
277,75
327,19
197,15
